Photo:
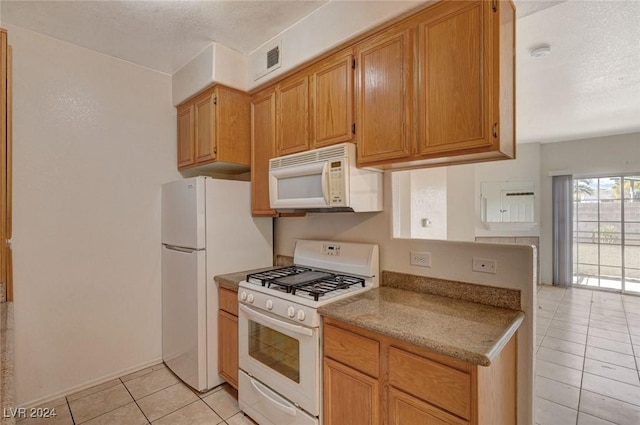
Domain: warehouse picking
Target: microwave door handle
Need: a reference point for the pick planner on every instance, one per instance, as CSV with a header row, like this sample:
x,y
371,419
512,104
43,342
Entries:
x,y
275,322
325,183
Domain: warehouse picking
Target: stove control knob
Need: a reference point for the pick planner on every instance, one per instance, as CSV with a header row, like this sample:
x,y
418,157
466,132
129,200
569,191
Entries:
x,y
291,312
300,316
250,298
269,305
243,296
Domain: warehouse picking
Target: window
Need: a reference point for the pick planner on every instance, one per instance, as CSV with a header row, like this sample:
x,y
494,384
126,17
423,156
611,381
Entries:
x,y
606,233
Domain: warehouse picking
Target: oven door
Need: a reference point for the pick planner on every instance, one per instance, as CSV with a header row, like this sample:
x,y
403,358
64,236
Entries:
x,y
282,355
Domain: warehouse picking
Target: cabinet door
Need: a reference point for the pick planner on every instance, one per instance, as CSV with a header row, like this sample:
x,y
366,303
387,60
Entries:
x,y
228,347
205,119
350,397
186,140
233,126
263,129
384,90
293,115
455,66
332,101
407,410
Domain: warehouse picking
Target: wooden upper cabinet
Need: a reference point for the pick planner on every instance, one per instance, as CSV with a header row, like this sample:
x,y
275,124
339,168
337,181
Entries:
x,y
455,66
214,128
332,100
205,118
384,73
292,98
186,131
263,135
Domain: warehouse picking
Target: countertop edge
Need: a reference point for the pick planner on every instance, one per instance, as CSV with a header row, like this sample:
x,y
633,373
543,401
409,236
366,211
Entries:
x,y
505,338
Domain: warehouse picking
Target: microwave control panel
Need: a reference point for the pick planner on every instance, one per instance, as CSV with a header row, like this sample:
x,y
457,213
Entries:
x,y
337,183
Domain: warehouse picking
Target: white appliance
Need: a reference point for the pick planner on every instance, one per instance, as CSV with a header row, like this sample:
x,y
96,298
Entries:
x,y
207,229
280,382
325,180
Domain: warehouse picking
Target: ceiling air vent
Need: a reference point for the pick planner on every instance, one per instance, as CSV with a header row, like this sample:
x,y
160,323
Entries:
x,y
273,57
268,59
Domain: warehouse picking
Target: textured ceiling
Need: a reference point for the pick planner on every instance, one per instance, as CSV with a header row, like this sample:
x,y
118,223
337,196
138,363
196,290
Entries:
x,y
590,83
588,86
162,35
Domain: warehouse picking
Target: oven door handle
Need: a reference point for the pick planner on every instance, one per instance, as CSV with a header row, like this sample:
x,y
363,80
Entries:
x,y
275,322
287,409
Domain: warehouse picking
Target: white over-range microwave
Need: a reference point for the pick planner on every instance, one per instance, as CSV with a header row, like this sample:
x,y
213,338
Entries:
x,y
324,180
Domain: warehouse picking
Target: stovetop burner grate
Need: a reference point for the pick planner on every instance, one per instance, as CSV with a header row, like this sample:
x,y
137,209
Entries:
x,y
302,279
263,278
320,287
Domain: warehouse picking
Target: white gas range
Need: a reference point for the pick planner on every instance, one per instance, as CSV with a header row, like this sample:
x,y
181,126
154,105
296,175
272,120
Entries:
x,y
279,328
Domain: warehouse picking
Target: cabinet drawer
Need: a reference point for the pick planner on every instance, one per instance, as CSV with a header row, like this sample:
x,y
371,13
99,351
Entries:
x,y
353,350
404,409
440,385
228,301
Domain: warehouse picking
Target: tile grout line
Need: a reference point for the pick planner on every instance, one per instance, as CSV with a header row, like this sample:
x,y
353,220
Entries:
x,y
134,399
549,325
70,412
584,359
633,350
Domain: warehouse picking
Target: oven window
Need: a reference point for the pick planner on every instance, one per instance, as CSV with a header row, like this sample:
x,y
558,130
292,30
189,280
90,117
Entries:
x,y
275,350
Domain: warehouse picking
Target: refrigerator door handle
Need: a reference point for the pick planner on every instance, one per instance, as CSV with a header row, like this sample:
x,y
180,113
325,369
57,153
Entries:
x,y
179,248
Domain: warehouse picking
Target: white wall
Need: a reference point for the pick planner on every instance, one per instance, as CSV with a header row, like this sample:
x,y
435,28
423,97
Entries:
x,y
450,260
600,156
463,184
94,137
217,63
525,168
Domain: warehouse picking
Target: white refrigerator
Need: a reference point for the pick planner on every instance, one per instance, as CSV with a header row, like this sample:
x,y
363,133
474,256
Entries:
x,y
207,230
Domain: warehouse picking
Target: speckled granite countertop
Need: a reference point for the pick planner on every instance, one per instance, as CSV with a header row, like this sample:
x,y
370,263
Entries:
x,y
465,330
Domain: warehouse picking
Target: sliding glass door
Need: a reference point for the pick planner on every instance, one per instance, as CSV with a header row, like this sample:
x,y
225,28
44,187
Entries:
x,y
606,235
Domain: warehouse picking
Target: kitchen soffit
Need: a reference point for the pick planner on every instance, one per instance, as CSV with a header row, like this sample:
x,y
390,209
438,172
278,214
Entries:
x,y
588,86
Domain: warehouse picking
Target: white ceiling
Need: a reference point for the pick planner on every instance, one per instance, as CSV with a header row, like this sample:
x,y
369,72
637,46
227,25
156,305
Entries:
x,y
590,83
588,86
161,34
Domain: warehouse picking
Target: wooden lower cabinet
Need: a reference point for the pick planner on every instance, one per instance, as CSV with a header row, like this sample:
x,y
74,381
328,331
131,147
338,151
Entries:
x,y
350,397
228,336
405,409
411,385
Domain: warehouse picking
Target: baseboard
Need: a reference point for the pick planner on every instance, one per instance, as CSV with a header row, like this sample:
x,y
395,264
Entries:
x,y
49,398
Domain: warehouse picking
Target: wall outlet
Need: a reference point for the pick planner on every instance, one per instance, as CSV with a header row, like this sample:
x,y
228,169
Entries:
x,y
422,259
484,265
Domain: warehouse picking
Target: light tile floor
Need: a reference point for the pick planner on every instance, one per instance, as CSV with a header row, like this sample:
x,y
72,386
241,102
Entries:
x,y
587,357
153,395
